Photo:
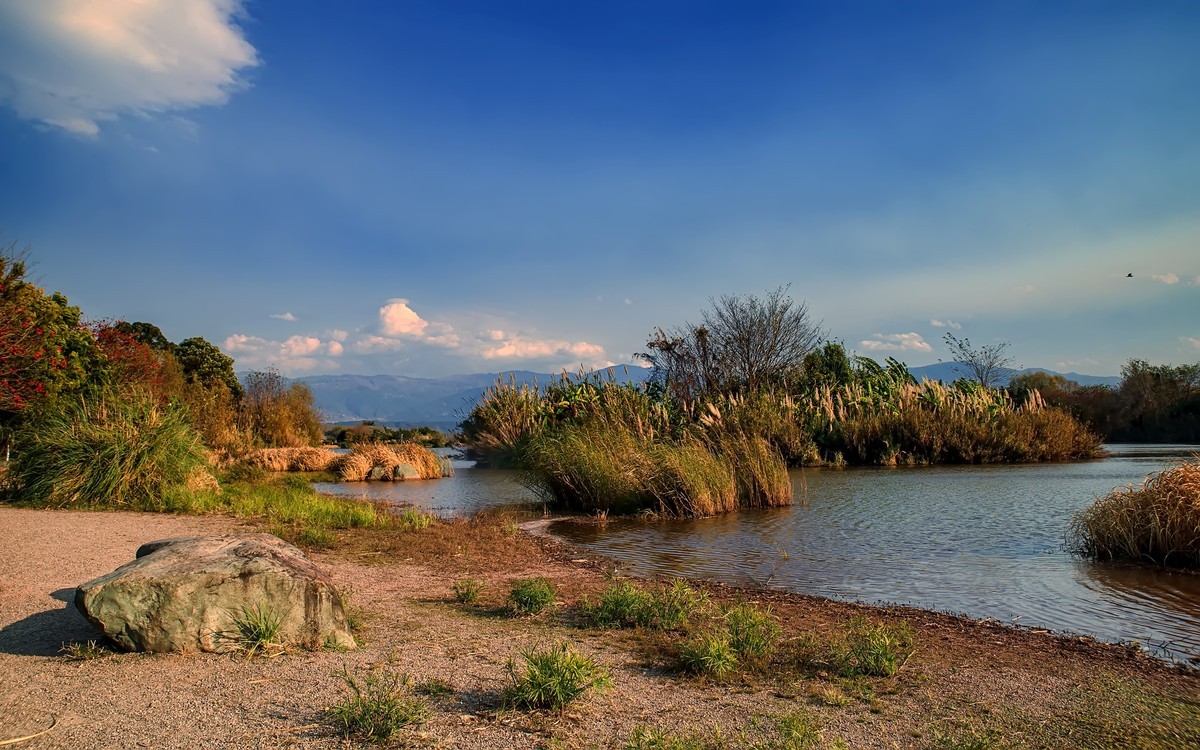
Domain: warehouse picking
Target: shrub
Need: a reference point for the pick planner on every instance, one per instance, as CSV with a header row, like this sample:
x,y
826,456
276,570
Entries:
x,y
467,590
1158,522
530,595
708,655
376,708
108,451
553,678
752,631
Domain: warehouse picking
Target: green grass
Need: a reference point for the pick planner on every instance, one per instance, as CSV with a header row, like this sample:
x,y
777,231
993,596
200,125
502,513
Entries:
x,y
376,708
414,520
530,596
752,632
112,451
646,738
797,730
553,678
257,631
708,655
433,687
288,501
624,604
874,650
466,591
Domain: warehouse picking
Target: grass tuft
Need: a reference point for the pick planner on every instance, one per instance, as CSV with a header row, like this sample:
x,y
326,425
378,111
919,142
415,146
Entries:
x,y
708,655
752,631
553,678
466,591
84,650
1158,522
376,708
877,650
257,631
530,595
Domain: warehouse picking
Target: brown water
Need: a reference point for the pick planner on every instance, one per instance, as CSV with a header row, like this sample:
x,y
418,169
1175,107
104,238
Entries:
x,y
981,541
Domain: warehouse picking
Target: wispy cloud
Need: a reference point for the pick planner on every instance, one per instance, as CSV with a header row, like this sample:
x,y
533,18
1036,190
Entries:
x,y
945,324
1166,278
284,316
1194,282
1191,341
517,347
896,342
73,64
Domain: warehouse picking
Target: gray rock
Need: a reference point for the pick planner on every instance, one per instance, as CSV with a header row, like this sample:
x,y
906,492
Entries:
x,y
405,471
188,595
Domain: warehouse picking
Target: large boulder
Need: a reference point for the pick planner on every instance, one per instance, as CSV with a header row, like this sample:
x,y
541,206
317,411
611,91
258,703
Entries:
x,y
192,594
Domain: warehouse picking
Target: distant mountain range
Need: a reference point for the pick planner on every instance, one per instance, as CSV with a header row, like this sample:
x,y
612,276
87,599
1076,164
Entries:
x,y
399,400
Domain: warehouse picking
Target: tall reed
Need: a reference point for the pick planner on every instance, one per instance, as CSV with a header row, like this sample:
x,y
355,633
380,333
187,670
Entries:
x,y
1158,522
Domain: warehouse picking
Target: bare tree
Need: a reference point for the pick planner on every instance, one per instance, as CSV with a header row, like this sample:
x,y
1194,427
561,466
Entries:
x,y
987,364
743,343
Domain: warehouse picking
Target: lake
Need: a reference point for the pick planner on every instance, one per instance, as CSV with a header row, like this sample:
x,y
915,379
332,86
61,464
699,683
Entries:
x,y
984,541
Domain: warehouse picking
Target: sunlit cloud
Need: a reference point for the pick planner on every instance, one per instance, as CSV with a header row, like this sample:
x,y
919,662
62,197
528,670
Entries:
x,y
74,64
945,324
1191,341
1166,278
517,347
284,316
896,342
295,354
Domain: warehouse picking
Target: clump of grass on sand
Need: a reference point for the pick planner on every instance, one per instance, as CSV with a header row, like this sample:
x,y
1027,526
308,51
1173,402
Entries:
x,y
553,678
376,708
626,605
873,649
530,596
257,631
1158,522
466,591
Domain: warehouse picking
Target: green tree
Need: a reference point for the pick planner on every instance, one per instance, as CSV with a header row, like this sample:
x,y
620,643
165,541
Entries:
x,y
207,365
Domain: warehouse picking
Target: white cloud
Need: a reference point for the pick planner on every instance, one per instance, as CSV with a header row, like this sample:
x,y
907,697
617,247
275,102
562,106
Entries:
x,y
335,348
896,342
628,301
945,324
1195,281
284,316
516,347
239,342
396,318
1166,278
1191,341
338,334
299,346
75,63
495,334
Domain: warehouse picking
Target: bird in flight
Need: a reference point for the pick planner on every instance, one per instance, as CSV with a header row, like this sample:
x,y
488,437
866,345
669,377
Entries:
x,y
1129,276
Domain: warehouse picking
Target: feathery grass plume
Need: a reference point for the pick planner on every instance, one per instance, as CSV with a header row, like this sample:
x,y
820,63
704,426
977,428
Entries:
x,y
110,451
505,416
354,467
1158,522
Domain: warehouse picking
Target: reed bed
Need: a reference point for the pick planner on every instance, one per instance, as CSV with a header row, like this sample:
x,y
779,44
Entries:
x,y
1158,522
390,462
293,459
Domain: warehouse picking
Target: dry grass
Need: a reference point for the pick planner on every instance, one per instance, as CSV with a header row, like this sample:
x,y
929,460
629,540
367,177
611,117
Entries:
x,y
1157,522
293,459
391,462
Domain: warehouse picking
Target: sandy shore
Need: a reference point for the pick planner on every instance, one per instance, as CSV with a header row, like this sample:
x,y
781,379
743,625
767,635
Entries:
x,y
966,679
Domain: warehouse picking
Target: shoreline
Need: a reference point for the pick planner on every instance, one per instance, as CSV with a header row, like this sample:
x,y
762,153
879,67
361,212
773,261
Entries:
x,y
966,679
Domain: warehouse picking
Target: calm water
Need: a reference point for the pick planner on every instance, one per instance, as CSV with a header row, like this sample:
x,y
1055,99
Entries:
x,y
982,541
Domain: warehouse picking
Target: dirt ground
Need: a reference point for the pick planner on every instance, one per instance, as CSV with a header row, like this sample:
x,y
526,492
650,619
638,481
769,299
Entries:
x,y
967,684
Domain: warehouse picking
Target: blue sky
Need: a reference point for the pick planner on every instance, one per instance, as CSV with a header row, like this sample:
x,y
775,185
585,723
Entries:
x,y
438,187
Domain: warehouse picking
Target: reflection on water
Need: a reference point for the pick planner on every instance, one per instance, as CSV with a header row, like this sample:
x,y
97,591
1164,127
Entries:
x,y
984,541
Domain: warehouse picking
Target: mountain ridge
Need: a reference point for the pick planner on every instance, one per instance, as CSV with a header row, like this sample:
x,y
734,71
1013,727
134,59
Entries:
x,y
404,400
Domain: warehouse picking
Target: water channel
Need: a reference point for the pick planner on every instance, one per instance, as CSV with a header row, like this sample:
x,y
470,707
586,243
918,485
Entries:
x,y
984,541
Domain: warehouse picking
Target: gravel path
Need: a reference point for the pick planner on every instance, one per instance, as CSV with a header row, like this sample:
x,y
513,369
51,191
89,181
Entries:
x,y
221,701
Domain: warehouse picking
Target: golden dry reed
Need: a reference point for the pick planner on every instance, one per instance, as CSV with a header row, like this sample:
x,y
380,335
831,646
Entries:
x,y
294,459
1158,522
389,462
